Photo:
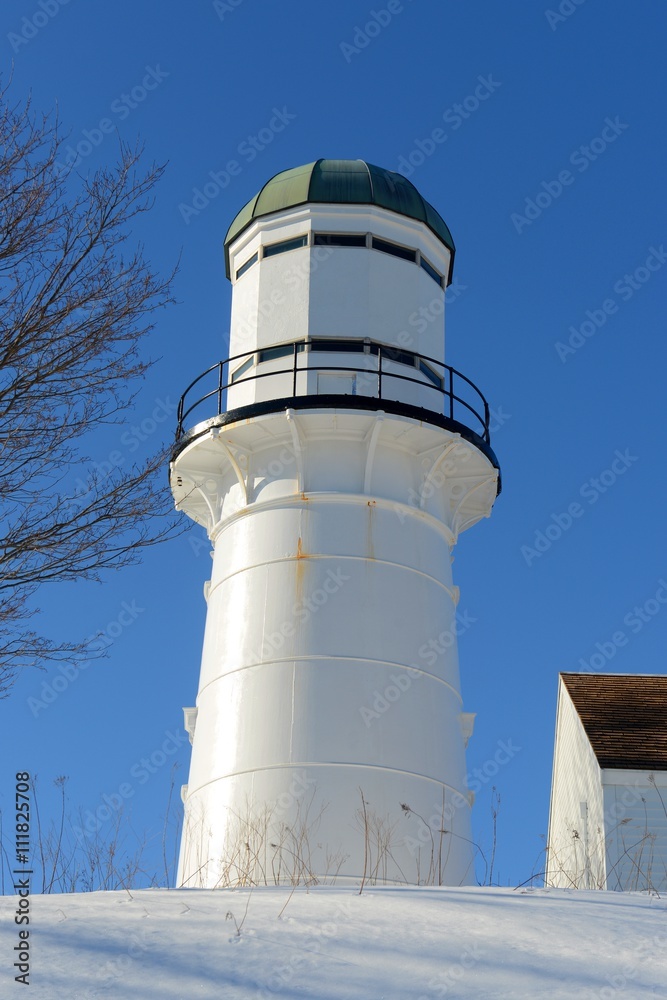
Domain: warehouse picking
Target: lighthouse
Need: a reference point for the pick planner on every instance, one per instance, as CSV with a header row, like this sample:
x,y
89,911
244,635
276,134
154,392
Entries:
x,y
333,458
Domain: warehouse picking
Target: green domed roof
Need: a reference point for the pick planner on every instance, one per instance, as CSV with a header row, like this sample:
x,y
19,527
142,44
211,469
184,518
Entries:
x,y
339,182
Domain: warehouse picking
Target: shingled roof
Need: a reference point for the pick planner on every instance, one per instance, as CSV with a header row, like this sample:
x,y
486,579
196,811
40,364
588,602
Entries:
x,y
624,716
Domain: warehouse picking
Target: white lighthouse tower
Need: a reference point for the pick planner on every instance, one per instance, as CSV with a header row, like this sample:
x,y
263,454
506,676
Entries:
x,y
333,458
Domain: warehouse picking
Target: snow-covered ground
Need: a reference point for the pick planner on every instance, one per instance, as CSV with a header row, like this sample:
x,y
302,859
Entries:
x,y
331,943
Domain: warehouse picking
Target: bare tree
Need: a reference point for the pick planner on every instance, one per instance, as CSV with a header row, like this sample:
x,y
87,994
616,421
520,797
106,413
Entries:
x,y
76,299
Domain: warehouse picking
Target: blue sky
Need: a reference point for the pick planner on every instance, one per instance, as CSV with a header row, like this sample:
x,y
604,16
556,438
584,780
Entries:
x,y
537,133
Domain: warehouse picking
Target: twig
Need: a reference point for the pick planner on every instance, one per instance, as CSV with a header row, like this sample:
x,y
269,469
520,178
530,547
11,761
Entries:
x,y
363,807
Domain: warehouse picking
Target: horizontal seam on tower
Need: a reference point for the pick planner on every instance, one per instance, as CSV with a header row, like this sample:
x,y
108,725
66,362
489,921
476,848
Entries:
x,y
295,499
297,559
333,763
322,656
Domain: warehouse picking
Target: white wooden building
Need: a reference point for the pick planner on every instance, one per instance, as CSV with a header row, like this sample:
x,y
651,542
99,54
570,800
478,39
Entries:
x,y
608,815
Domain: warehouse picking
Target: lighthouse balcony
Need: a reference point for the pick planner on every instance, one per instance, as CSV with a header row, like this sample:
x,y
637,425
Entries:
x,y
351,374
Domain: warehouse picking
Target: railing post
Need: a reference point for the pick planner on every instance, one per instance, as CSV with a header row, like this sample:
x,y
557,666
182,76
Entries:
x,y
451,394
221,368
380,371
294,379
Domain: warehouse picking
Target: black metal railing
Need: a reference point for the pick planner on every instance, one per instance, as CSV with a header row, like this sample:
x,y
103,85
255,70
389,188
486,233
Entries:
x,y
451,385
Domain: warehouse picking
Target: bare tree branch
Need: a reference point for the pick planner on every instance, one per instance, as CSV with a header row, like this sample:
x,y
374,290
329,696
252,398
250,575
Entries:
x,y
77,300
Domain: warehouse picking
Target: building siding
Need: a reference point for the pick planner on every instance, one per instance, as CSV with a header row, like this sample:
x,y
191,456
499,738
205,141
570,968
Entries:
x,y
576,841
635,809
